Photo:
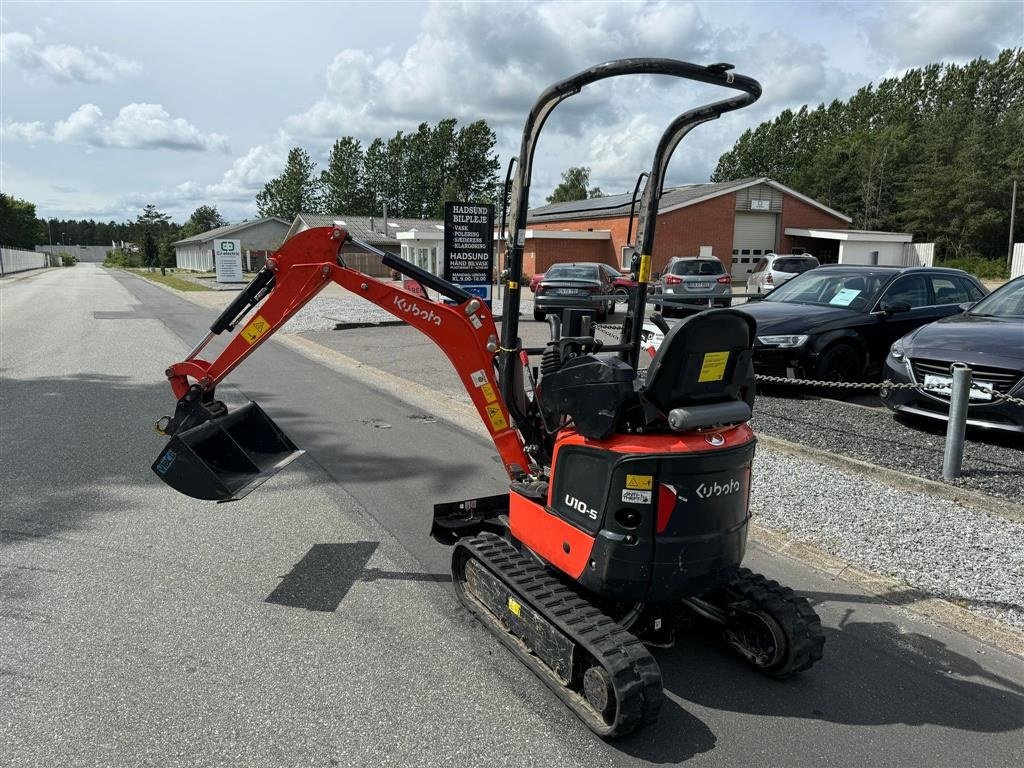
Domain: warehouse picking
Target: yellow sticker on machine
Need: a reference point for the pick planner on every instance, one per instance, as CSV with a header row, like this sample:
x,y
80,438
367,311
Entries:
x,y
514,606
640,482
645,269
489,395
256,328
497,418
713,367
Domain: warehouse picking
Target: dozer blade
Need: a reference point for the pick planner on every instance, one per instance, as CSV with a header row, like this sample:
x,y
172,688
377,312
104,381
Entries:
x,y
225,458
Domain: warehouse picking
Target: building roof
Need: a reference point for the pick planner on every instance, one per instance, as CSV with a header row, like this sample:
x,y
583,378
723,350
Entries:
x,y
672,199
227,229
369,229
858,235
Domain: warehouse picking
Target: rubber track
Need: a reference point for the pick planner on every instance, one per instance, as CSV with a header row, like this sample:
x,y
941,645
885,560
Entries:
x,y
636,677
798,617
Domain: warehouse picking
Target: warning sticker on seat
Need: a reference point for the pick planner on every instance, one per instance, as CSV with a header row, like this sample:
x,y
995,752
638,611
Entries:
x,y
255,329
713,367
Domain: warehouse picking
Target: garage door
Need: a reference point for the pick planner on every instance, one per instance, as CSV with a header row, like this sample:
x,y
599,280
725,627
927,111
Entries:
x,y
753,236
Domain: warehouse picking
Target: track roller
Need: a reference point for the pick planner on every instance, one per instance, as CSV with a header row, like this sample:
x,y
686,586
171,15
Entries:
x,y
601,671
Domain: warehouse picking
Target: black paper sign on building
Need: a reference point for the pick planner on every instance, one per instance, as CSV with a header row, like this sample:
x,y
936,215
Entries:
x,y
469,247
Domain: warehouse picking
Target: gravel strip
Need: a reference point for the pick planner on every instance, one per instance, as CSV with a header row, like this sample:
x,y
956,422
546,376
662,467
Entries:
x,y
993,464
967,557
323,313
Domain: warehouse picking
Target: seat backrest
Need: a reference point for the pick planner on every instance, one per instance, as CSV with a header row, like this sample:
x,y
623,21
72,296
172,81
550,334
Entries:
x,y
704,358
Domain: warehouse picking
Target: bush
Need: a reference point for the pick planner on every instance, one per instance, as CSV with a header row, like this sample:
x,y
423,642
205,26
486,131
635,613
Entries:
x,y
979,266
66,259
120,258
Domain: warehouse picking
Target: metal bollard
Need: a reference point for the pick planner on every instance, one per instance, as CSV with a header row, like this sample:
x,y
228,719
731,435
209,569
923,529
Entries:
x,y
953,458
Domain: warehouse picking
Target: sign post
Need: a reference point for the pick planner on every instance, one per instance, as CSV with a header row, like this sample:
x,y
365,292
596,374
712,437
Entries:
x,y
227,258
469,247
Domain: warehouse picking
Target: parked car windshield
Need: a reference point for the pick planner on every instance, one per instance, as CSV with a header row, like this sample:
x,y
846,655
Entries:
x,y
1007,301
798,266
695,267
571,272
611,271
854,290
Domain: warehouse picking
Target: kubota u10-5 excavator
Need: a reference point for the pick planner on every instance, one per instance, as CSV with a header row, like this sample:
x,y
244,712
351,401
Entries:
x,y
628,502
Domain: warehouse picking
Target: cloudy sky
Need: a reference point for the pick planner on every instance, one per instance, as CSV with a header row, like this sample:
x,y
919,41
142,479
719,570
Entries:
x,y
105,107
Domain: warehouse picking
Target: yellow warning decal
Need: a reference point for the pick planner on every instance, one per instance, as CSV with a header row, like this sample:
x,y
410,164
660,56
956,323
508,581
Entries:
x,y
640,482
255,329
497,418
513,285
514,606
713,367
488,391
645,269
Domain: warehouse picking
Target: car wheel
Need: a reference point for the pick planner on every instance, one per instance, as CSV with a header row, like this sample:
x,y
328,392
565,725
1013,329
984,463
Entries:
x,y
841,362
621,295
539,315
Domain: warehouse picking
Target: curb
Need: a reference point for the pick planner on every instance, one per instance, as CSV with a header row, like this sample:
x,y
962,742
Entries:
x,y
963,496
892,591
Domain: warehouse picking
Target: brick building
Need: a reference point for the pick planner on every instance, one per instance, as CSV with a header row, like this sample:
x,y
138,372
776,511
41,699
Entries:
x,y
736,221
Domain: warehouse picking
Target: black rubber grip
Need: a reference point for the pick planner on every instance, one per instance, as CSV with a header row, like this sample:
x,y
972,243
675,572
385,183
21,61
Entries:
x,y
429,279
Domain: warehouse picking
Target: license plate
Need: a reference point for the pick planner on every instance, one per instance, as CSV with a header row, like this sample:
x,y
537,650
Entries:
x,y
698,286
568,291
980,390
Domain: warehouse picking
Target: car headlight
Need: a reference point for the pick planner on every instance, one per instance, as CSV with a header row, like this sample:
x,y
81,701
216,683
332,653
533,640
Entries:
x,y
783,341
897,351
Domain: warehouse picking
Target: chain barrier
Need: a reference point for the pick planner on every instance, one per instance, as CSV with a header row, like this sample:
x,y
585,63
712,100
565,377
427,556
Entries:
x,y
613,330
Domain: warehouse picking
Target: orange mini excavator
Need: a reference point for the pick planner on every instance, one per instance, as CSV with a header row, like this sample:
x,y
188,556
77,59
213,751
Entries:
x,y
628,502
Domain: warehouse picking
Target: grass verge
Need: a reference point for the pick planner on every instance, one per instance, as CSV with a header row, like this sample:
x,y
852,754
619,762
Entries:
x,y
170,280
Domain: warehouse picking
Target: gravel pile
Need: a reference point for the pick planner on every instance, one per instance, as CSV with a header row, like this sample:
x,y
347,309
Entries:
x,y
323,313
966,557
992,464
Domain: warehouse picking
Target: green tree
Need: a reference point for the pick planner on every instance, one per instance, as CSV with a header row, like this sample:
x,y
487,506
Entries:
x,y
933,152
203,219
475,172
574,186
343,180
150,253
296,190
19,227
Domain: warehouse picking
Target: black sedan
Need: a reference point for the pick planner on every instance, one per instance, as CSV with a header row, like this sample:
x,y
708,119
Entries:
x,y
584,285
989,338
837,322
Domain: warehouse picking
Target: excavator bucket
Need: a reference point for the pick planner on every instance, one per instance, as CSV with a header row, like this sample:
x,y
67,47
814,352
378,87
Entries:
x,y
225,458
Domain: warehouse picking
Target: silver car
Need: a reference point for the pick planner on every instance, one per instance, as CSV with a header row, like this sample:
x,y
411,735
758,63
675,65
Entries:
x,y
693,283
774,269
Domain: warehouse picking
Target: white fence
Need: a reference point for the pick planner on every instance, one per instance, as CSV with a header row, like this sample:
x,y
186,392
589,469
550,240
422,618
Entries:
x,y
15,260
918,254
1017,264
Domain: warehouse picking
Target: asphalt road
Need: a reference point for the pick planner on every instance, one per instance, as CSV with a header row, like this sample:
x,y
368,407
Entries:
x,y
312,623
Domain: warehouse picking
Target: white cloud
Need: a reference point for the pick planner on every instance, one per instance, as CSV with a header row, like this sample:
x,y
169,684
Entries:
x,y
63,63
136,126
917,34
249,173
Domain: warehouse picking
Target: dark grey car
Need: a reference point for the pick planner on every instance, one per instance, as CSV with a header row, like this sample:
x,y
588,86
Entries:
x,y
693,283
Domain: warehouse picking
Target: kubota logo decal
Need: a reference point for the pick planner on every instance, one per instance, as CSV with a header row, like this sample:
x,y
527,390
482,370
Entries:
x,y
705,491
427,315
580,506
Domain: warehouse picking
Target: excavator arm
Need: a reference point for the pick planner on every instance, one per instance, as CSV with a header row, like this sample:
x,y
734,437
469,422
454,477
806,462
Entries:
x,y
464,330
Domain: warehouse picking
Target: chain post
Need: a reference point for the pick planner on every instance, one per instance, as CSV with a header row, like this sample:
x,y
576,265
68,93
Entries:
x,y
953,457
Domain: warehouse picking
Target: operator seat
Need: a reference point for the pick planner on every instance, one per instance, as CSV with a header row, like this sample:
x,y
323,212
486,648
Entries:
x,y
703,373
